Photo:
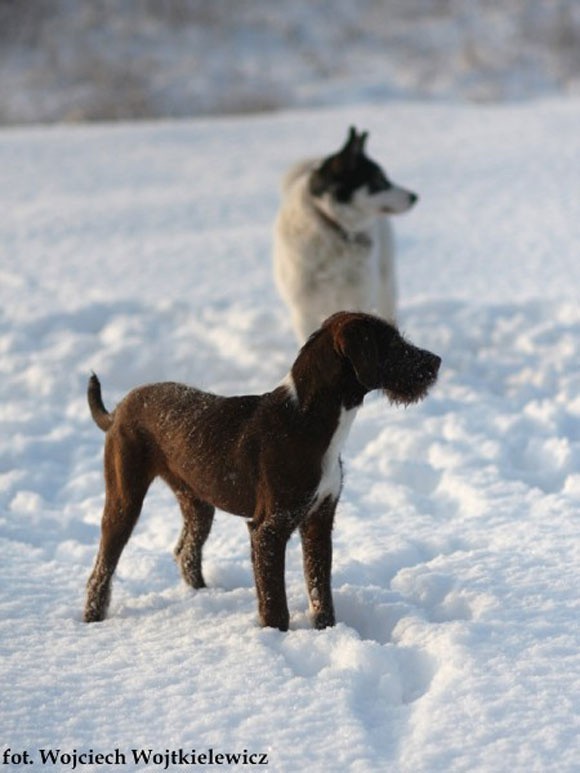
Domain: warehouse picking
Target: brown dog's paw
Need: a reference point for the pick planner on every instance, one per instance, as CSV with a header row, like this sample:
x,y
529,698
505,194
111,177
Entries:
x,y
93,615
279,621
323,620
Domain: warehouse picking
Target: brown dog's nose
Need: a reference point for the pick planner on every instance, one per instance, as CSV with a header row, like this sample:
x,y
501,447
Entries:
x,y
430,367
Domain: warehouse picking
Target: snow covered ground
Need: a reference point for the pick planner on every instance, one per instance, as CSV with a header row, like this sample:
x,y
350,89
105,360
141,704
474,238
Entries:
x,y
143,252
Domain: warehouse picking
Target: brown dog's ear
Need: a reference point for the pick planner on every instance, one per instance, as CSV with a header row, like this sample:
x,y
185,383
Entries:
x,y
356,342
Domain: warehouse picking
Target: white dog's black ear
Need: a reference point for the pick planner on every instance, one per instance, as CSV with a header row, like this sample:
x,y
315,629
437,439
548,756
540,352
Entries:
x,y
357,343
351,140
362,138
354,145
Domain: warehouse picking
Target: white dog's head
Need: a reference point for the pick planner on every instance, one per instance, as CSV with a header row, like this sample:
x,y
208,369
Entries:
x,y
353,190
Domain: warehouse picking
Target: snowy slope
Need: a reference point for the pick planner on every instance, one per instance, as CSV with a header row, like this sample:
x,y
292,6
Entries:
x,y
143,252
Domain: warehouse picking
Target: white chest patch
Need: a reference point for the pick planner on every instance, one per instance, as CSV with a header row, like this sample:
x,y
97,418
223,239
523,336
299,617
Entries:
x,y
331,480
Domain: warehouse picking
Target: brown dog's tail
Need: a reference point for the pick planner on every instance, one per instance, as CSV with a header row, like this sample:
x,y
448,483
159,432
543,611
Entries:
x,y
101,416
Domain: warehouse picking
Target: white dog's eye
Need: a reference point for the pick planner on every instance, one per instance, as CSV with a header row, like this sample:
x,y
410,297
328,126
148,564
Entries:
x,y
379,182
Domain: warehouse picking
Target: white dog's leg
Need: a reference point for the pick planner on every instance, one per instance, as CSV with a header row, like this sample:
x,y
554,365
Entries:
x,y
305,322
386,301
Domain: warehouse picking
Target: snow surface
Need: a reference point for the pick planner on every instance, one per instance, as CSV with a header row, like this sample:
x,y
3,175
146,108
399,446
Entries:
x,y
143,252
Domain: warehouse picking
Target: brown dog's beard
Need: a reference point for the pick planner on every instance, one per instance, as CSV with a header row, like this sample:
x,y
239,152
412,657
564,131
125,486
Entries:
x,y
408,397
411,383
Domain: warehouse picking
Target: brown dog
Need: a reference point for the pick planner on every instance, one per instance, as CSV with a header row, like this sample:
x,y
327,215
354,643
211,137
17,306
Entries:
x,y
273,459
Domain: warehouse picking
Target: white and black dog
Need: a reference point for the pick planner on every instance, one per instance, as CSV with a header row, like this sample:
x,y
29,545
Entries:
x,y
333,245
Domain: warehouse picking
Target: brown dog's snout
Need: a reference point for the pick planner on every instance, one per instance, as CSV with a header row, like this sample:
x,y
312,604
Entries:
x,y
429,367
435,363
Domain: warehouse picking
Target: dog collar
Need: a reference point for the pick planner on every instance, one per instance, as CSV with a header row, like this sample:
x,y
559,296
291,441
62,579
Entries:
x,y
361,239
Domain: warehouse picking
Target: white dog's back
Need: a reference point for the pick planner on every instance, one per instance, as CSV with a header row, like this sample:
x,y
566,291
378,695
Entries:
x,y
298,170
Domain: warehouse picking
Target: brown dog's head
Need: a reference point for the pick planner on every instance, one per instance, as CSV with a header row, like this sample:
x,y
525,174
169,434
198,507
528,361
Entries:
x,y
381,358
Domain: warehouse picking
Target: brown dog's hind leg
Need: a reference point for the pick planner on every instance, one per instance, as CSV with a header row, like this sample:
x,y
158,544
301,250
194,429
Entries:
x,y
118,521
316,534
197,522
127,481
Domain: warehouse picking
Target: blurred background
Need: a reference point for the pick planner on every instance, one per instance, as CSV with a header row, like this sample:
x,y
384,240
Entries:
x,y
103,60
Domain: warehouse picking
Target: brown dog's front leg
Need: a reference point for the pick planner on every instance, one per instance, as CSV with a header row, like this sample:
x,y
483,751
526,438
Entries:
x,y
316,534
269,558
